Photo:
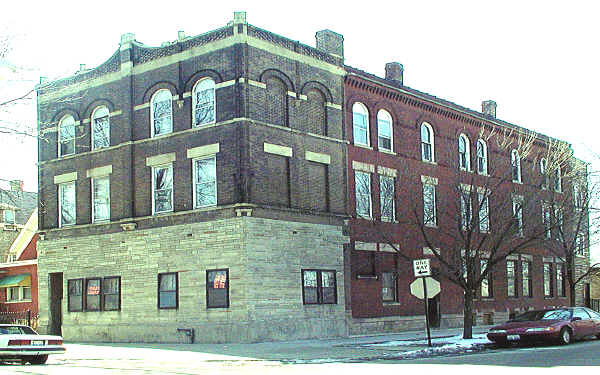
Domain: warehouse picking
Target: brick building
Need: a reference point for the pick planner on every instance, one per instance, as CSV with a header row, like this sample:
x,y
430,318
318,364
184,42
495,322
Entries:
x,y
410,158
18,256
208,184
197,185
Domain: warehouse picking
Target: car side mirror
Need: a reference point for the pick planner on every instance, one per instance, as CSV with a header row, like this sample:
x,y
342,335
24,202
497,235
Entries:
x,y
576,318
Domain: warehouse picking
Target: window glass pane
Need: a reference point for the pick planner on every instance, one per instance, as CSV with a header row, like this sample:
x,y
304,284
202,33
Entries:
x,y
485,284
162,112
168,282
510,276
101,197
384,129
26,293
388,287
100,128
204,97
67,203
167,300
66,136
429,216
217,289
310,287
163,188
360,128
9,216
92,295
363,194
386,192
328,285
206,182
526,279
75,289
484,223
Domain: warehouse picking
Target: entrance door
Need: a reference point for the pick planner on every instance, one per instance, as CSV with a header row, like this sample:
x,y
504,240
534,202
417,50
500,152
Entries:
x,y
56,295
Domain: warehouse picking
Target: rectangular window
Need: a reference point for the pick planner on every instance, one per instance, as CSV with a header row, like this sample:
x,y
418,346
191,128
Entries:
x,y
100,199
162,183
546,220
92,294
360,128
560,280
319,287
429,211
466,210
168,297
388,287
384,136
204,111
484,213
75,297
26,293
12,294
66,204
66,138
511,278
518,215
111,293
526,278
580,245
205,182
387,198
101,131
8,216
486,284
559,230
217,288
362,186
548,290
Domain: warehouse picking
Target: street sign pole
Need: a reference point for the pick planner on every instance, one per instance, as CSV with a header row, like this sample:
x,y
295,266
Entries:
x,y
426,311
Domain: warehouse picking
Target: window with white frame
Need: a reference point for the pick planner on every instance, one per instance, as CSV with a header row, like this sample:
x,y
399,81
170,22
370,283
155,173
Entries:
x,y
8,216
161,112
517,206
362,187
205,181
511,278
557,180
482,157
384,131
544,173
100,199
464,155
548,286
429,210
360,124
100,128
18,294
387,198
66,136
560,280
66,204
484,212
203,98
389,287
515,162
427,143
162,188
526,277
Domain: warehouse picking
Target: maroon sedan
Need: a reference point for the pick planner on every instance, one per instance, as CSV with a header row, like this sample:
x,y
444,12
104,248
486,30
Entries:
x,y
562,325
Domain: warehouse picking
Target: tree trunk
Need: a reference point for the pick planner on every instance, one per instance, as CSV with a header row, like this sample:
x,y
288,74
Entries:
x,y
468,317
572,294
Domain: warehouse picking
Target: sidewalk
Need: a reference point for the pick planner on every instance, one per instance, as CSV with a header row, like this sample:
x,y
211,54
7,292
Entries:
x,y
346,349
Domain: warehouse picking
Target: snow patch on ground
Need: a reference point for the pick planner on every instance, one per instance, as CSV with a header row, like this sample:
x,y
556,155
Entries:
x,y
454,341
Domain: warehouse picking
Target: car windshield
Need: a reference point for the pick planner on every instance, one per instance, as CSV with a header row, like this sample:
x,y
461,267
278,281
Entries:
x,y
16,330
561,314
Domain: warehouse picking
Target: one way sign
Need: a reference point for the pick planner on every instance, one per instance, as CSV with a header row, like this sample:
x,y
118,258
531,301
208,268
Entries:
x,y
421,267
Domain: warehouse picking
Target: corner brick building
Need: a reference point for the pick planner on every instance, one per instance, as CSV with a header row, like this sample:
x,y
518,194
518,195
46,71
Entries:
x,y
207,187
197,185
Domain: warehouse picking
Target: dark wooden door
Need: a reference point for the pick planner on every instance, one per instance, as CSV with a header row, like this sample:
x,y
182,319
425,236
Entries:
x,y
56,295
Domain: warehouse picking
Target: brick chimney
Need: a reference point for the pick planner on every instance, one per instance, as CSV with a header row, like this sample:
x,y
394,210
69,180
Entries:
x,y
330,42
488,108
16,185
394,72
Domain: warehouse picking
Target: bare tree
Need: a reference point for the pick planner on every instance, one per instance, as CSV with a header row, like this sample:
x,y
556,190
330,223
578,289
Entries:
x,y
472,221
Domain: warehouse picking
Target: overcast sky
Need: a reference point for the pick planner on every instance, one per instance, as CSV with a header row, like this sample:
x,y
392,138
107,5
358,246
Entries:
x,y
537,59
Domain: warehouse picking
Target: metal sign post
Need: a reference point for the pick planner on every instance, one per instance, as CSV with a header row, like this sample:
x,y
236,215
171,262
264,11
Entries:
x,y
426,311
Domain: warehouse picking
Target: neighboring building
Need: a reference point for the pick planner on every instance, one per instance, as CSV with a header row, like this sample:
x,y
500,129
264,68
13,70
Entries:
x,y
198,185
413,150
18,256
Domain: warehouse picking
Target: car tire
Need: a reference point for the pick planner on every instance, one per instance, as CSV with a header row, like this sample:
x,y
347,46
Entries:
x,y
38,359
565,336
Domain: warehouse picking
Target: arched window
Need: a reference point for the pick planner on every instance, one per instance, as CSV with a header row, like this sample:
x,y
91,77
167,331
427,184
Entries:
x,y
360,124
66,136
100,128
161,112
203,102
544,173
515,162
427,143
384,131
482,157
464,156
276,101
557,180
315,115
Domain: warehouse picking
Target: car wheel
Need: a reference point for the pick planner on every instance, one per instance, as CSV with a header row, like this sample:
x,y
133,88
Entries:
x,y
565,336
38,359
